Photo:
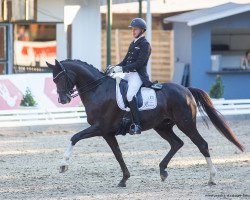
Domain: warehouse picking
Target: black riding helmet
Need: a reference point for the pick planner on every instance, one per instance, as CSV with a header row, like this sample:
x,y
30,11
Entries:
x,y
138,23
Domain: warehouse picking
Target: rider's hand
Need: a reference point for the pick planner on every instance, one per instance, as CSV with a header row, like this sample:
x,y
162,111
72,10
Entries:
x,y
117,69
109,69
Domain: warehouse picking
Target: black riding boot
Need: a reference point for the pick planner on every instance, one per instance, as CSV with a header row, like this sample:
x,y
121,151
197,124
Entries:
x,y
135,127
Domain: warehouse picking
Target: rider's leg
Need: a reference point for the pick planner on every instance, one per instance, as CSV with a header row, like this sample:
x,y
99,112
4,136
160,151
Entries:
x,y
134,84
135,127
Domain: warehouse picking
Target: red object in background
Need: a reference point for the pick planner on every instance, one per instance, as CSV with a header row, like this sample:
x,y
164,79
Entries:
x,y
50,91
38,51
10,96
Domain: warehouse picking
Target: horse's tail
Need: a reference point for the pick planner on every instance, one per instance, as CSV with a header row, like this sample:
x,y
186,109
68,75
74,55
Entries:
x,y
203,100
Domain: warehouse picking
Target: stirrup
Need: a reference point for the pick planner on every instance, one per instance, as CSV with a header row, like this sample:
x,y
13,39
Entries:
x,y
135,129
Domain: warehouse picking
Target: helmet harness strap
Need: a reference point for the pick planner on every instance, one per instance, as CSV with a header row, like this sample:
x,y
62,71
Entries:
x,y
141,32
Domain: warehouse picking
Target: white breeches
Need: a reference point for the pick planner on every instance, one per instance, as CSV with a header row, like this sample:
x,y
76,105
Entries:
x,y
134,84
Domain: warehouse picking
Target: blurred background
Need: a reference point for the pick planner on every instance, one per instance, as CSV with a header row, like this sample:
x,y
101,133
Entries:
x,y
193,42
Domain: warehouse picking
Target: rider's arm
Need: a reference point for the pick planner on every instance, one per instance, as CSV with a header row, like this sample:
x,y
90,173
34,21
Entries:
x,y
123,63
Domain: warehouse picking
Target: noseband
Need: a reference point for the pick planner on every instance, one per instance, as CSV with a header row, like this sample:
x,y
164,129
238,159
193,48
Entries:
x,y
80,90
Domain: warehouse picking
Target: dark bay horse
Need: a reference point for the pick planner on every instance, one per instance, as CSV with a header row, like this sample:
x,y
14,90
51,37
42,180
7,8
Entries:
x,y
176,105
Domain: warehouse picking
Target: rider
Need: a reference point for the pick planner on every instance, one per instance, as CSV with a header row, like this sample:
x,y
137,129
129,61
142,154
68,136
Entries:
x,y
135,66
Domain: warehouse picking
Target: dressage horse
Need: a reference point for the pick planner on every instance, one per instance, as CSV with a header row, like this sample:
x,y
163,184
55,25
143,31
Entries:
x,y
176,105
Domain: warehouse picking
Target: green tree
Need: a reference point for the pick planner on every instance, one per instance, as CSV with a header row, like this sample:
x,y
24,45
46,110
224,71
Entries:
x,y
28,99
217,89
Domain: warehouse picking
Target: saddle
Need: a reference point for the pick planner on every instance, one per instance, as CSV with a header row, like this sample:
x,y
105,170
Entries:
x,y
146,100
146,97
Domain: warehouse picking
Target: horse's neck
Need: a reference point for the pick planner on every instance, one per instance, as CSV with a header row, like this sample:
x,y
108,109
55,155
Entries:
x,y
84,81
98,95
85,78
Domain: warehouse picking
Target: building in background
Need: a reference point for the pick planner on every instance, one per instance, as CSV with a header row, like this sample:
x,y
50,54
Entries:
x,y
34,44
212,42
162,56
35,31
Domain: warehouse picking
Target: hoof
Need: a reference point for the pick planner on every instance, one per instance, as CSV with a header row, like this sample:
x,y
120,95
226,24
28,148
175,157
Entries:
x,y
63,168
121,184
211,183
163,175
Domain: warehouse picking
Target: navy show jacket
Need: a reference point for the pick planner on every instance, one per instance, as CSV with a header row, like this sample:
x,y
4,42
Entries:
x,y
136,59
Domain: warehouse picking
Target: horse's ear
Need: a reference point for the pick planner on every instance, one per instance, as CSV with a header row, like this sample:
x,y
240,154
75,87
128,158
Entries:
x,y
57,62
49,65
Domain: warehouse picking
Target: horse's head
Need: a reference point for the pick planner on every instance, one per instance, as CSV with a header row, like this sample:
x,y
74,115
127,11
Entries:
x,y
64,81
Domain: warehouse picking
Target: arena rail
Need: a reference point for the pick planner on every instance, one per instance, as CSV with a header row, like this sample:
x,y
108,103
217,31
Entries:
x,y
33,117
232,107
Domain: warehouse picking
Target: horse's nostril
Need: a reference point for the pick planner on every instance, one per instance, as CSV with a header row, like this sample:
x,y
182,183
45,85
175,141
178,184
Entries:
x,y
63,100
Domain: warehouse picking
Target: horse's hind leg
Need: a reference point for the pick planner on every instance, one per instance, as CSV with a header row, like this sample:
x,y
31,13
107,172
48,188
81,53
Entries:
x,y
165,130
191,131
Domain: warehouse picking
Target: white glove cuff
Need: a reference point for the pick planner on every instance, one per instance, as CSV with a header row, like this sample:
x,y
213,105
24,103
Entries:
x,y
118,69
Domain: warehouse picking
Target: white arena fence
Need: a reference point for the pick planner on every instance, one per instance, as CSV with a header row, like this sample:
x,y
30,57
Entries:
x,y
33,117
76,115
233,107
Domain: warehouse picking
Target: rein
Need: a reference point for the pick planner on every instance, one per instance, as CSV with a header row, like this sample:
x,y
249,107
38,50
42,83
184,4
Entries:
x,y
87,88
82,89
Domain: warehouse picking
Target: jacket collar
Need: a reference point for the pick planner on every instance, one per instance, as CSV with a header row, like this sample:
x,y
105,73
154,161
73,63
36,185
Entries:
x,y
140,39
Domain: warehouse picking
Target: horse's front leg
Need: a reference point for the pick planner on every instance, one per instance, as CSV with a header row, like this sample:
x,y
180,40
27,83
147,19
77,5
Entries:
x,y
112,142
87,133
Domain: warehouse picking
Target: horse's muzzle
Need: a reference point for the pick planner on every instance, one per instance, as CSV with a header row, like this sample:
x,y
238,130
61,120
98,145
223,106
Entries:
x,y
64,99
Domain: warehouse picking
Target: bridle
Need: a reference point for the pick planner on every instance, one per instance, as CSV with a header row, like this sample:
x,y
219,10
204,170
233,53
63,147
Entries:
x,y
71,93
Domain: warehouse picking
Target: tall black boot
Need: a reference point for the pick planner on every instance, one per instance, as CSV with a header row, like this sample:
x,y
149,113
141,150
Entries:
x,y
135,127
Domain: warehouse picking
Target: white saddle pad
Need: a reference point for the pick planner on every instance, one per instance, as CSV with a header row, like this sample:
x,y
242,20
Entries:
x,y
148,98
